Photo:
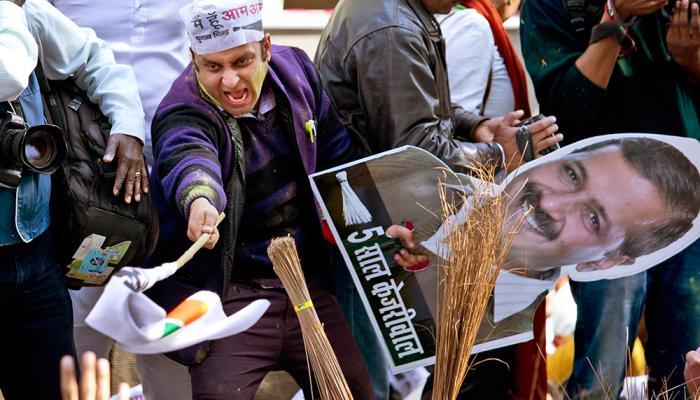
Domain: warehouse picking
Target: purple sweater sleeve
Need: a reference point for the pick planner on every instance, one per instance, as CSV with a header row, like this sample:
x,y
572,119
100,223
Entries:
x,y
186,151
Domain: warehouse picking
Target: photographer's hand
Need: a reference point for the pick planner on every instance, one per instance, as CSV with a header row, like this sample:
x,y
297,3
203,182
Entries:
x,y
131,167
18,2
629,8
683,37
504,133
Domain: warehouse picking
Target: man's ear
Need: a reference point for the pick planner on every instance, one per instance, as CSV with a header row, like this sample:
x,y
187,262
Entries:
x,y
267,44
605,263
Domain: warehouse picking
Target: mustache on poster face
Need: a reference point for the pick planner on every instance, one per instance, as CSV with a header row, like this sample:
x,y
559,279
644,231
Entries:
x,y
538,219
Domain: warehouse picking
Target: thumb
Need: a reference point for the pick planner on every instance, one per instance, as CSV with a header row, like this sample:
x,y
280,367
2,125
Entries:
x,y
513,116
111,149
209,221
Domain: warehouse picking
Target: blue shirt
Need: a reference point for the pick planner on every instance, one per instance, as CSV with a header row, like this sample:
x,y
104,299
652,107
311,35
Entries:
x,y
24,212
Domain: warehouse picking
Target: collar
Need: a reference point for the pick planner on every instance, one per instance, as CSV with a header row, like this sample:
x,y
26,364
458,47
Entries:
x,y
513,293
266,104
426,19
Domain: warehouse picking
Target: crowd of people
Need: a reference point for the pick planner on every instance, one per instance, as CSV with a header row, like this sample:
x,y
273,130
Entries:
x,y
209,116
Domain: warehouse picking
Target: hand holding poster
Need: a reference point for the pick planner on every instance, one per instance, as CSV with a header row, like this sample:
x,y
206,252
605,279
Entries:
x,y
602,208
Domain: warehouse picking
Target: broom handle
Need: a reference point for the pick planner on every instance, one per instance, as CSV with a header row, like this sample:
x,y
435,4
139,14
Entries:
x,y
196,246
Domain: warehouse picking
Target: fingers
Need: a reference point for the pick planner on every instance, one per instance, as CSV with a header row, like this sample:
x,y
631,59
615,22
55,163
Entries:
x,y
131,178
111,150
103,389
202,220
132,175
69,386
123,391
548,142
145,182
695,21
402,233
411,262
88,389
213,239
512,117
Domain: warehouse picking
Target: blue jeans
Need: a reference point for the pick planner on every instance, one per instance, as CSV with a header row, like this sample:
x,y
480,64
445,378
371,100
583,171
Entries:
x,y
607,310
36,320
361,328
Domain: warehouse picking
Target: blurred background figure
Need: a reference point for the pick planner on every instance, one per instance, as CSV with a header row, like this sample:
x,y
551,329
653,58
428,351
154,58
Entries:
x,y
623,66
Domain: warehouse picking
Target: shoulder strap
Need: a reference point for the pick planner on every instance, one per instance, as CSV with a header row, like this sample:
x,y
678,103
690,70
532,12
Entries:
x,y
577,13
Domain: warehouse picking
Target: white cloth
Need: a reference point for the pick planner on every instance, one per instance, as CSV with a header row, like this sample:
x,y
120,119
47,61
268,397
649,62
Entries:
x,y
147,35
161,377
217,25
471,55
18,51
138,324
66,50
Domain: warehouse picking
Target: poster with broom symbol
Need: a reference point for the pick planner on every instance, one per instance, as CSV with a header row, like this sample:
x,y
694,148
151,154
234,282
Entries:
x,y
411,184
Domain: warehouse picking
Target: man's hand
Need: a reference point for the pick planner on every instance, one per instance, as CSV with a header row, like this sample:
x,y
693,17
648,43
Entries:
x,y
504,133
409,262
131,168
202,220
683,36
94,382
692,373
18,2
628,8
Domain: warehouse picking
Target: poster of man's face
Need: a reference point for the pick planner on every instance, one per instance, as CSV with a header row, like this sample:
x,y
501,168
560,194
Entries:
x,y
608,206
602,208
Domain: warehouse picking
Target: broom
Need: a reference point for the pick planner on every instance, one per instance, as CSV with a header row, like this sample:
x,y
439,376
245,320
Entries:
x,y
472,255
329,377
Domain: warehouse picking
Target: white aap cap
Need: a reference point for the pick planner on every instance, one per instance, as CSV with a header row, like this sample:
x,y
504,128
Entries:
x,y
217,25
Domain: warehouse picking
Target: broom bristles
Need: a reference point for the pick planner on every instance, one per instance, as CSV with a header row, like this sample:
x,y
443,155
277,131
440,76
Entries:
x,y
472,254
354,212
324,364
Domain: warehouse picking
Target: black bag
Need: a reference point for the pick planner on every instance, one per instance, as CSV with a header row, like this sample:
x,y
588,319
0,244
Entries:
x,y
82,202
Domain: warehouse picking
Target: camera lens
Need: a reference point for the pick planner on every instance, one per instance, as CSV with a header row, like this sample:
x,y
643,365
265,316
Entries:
x,y
40,150
43,149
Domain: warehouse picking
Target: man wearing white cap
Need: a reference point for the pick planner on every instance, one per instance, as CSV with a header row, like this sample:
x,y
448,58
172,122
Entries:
x,y
239,132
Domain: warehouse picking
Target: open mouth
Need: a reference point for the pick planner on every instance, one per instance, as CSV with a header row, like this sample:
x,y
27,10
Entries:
x,y
530,219
238,98
536,218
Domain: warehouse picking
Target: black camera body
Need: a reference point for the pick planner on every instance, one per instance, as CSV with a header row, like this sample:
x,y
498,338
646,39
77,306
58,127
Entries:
x,y
525,140
38,149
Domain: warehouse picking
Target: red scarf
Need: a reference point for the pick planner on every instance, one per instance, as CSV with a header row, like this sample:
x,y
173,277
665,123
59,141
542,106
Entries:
x,y
515,69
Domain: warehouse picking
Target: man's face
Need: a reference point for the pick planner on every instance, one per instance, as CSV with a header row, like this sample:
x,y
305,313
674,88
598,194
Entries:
x,y
581,208
234,77
439,6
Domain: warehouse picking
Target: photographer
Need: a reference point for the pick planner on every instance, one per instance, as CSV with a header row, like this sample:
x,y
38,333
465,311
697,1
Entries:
x,y
35,309
607,66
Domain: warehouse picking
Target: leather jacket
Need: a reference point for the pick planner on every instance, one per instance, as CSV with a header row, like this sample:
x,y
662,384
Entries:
x,y
383,64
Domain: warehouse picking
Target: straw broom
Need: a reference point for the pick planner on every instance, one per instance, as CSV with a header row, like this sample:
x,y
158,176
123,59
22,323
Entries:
x,y
472,256
329,377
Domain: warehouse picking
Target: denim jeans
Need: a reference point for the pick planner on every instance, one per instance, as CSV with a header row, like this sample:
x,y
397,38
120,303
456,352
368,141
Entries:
x,y
36,321
607,310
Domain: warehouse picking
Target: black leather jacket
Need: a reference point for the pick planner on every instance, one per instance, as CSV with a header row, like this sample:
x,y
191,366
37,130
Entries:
x,y
383,64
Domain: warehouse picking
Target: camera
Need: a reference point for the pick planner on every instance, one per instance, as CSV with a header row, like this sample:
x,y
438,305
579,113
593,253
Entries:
x,y
39,149
524,139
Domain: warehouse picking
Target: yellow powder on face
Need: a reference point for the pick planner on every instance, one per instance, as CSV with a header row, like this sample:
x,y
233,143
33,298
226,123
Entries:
x,y
258,78
206,94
